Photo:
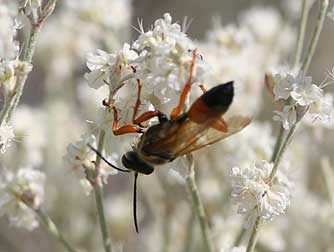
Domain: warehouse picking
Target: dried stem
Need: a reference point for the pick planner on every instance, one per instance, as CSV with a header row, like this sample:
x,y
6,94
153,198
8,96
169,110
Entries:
x,y
189,233
277,159
99,196
301,33
316,34
13,98
52,228
254,235
198,206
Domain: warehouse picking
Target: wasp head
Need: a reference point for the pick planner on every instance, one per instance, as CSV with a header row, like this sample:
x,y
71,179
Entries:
x,y
132,161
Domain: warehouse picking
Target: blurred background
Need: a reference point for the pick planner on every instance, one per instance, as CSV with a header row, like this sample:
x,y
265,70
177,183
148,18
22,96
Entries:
x,y
57,105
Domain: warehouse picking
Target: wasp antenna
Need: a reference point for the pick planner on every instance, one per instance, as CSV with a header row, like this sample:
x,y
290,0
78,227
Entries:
x,y
105,160
135,202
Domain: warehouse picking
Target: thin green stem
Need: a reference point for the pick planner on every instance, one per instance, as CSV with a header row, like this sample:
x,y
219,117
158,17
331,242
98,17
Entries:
x,y
280,153
301,33
13,98
99,196
198,206
254,235
277,158
316,34
52,228
189,233
278,143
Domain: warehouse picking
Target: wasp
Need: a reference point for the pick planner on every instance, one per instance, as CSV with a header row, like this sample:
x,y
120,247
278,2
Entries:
x,y
180,134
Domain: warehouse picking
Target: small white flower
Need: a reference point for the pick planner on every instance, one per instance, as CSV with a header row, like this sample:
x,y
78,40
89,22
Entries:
x,y
288,116
6,137
284,86
26,187
105,66
306,93
253,193
323,109
7,73
299,88
79,155
164,62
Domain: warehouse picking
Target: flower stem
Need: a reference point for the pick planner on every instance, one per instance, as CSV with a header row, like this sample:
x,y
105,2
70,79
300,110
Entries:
x,y
189,233
278,143
52,228
13,99
277,158
198,206
301,33
254,235
316,34
99,196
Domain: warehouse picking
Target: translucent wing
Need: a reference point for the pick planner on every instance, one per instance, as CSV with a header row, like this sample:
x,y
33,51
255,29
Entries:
x,y
211,135
183,137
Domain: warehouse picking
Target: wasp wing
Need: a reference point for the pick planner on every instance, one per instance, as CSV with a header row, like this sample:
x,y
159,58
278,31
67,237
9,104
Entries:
x,y
211,135
186,136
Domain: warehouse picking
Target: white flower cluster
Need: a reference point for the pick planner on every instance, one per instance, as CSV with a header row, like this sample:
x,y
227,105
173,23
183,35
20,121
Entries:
x,y
254,194
304,96
81,157
109,68
10,66
20,192
160,58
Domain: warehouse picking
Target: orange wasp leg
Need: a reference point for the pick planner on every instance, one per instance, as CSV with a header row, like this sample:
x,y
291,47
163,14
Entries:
x,y
177,110
138,102
125,129
136,127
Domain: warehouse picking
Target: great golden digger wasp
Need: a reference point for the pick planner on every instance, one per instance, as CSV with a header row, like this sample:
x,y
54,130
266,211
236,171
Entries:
x,y
203,124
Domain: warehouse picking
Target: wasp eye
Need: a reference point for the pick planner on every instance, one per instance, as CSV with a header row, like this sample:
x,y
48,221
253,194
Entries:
x,y
131,161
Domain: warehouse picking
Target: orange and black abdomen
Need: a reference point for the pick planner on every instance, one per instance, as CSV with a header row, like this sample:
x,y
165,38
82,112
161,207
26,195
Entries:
x,y
212,104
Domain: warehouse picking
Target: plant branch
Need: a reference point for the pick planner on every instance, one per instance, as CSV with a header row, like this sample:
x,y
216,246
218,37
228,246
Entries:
x,y
97,185
254,235
14,96
277,159
52,228
198,206
301,33
316,34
